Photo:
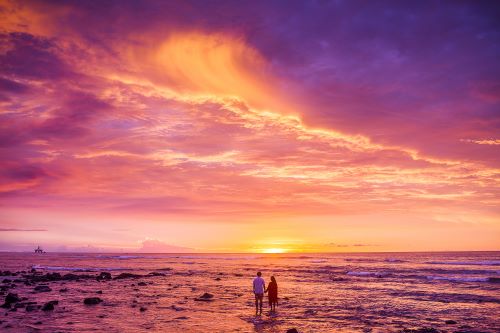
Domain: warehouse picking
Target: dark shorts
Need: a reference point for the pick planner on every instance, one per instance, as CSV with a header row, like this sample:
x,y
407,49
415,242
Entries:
x,y
259,296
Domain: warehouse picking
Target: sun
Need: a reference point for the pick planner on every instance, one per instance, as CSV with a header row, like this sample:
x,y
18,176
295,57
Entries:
x,y
274,250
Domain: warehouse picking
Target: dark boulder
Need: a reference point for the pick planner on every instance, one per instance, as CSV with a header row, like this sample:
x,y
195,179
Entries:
x,y
292,330
92,300
30,308
142,284
206,297
53,276
12,298
126,276
49,306
420,330
104,276
450,322
142,309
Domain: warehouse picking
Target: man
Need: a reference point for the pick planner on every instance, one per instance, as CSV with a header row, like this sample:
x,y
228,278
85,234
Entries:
x,y
259,285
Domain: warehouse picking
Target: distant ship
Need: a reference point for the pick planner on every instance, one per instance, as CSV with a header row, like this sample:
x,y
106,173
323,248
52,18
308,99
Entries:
x,y
39,250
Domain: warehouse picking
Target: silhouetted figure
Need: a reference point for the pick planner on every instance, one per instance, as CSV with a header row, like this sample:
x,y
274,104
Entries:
x,y
272,293
259,287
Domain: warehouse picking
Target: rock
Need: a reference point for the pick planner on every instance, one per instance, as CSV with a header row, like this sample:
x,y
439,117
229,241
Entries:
x,y
30,308
126,276
182,318
71,277
5,281
92,300
63,290
217,279
48,306
292,330
99,292
38,323
494,279
142,309
310,312
104,276
450,322
42,289
420,330
12,298
141,283
53,276
206,297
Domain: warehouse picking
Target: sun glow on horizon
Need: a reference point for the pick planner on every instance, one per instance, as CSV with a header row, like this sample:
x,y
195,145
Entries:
x,y
275,250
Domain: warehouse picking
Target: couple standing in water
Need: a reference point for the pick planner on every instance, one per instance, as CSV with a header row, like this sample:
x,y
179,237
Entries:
x,y
259,288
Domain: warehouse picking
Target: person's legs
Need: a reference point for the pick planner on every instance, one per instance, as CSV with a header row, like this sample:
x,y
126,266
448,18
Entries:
x,y
256,304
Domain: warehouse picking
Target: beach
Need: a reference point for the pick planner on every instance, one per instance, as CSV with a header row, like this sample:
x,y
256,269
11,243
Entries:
x,y
378,292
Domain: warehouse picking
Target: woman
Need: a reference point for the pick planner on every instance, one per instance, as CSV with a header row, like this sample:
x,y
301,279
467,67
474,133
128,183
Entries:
x,y
272,293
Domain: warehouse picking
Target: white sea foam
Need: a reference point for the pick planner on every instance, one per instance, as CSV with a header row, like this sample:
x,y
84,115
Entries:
x,y
317,261
375,274
394,260
466,263
458,278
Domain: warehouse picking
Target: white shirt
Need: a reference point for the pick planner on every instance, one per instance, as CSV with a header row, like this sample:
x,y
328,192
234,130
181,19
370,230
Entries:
x,y
259,285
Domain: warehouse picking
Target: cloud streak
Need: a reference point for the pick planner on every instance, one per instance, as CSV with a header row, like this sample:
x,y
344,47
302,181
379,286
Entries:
x,y
198,120
22,230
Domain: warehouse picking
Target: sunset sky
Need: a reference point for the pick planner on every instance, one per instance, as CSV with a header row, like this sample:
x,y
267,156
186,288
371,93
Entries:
x,y
249,126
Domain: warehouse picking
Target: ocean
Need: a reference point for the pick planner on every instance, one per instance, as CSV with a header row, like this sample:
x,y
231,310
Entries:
x,y
348,292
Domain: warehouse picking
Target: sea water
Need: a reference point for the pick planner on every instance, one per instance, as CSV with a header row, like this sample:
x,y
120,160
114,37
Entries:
x,y
352,292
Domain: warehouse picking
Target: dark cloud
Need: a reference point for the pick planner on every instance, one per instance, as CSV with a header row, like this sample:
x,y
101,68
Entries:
x,y
24,172
32,57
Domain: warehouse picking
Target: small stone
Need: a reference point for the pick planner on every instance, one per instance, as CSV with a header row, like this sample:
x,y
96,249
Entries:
x,y
450,322
126,276
30,308
92,300
142,309
104,276
48,307
207,296
11,298
99,292
141,283
292,330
